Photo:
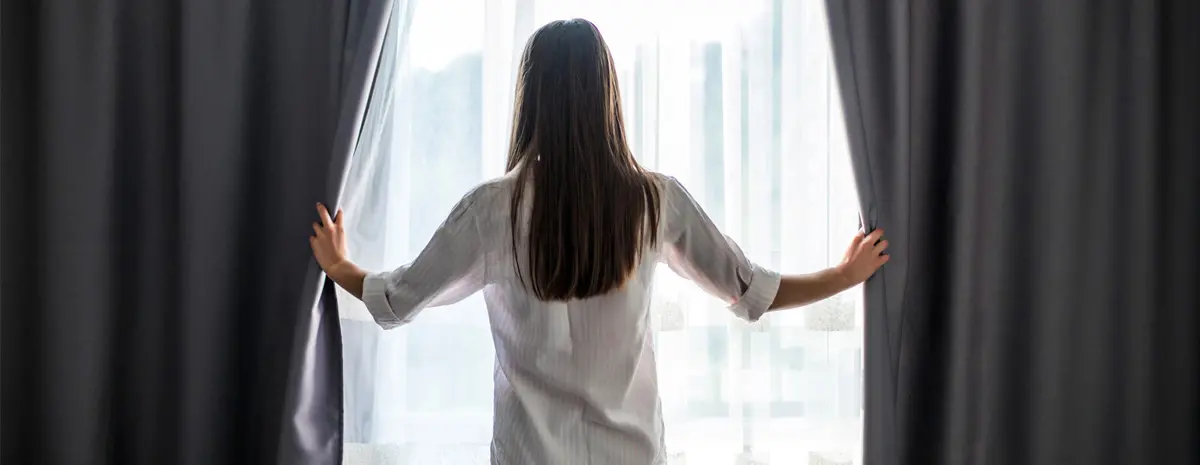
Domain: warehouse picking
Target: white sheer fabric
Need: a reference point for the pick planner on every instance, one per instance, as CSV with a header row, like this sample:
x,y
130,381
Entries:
x,y
736,99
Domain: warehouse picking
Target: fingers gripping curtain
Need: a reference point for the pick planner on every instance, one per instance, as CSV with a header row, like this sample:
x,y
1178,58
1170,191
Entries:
x,y
1034,166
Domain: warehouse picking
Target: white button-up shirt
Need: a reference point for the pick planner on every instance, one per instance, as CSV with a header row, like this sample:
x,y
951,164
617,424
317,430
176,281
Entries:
x,y
575,382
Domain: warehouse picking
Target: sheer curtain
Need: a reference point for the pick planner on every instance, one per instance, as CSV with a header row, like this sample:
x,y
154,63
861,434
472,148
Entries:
x,y
736,98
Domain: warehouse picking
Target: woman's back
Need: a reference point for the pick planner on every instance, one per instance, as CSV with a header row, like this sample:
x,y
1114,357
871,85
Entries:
x,y
575,380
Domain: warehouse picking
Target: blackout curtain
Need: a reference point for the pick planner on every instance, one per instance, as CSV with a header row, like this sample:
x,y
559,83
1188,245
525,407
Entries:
x,y
161,161
1036,165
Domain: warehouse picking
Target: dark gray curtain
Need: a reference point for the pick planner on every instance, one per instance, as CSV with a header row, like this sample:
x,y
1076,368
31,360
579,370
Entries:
x,y
161,160
1036,165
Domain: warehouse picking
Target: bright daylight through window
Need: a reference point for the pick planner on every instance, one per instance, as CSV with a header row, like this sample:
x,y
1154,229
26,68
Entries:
x,y
735,98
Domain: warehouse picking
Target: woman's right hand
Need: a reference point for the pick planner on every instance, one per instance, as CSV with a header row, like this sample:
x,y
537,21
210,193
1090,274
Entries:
x,y
864,256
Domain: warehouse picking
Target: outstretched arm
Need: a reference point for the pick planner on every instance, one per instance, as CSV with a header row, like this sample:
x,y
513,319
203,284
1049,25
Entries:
x,y
450,268
696,249
863,257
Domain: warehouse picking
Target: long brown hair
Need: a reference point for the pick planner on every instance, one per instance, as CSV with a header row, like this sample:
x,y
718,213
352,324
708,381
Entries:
x,y
594,209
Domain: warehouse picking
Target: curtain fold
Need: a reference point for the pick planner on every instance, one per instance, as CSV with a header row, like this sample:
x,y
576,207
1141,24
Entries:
x,y
1034,166
161,160
315,392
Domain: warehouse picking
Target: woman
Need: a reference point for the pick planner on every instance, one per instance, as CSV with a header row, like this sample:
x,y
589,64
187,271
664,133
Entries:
x,y
564,247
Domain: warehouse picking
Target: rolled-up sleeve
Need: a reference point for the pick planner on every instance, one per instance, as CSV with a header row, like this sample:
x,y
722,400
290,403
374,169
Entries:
x,y
695,249
449,268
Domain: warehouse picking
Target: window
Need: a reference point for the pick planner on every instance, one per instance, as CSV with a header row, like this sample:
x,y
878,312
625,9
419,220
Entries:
x,y
737,99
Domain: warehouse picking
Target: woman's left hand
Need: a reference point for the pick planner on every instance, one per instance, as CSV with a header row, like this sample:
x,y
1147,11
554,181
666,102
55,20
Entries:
x,y
329,240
